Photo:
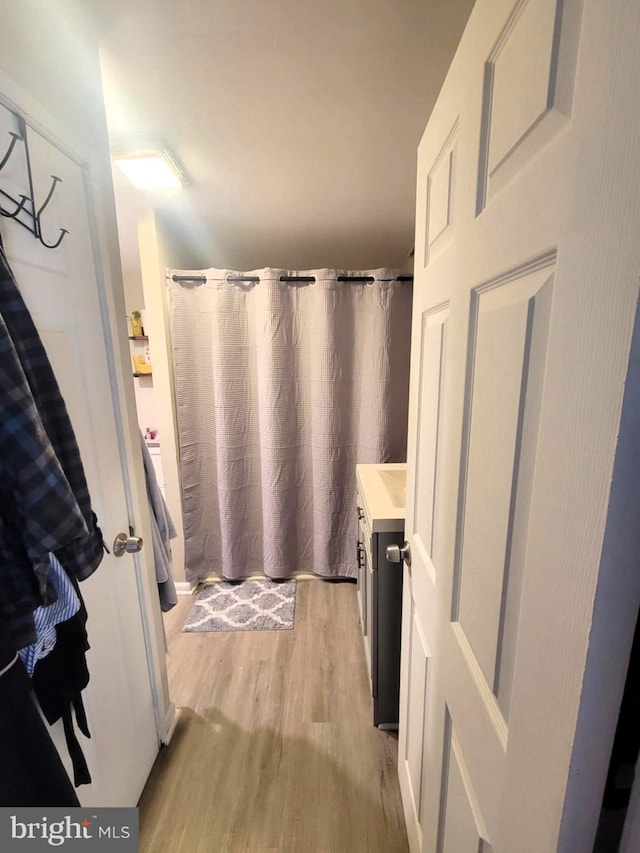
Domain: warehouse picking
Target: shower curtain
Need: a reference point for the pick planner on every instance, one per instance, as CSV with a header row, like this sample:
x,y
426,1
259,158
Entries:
x,y
281,388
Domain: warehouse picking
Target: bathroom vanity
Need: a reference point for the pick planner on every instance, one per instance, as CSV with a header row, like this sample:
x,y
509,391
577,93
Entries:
x,y
381,510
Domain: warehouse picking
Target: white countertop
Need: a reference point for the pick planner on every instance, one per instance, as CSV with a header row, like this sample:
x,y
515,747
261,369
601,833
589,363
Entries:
x,y
382,489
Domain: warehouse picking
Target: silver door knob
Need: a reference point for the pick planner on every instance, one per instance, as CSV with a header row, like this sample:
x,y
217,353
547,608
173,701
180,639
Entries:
x,y
124,544
397,553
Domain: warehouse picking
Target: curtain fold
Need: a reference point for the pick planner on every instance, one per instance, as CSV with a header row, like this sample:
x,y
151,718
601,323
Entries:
x,y
281,388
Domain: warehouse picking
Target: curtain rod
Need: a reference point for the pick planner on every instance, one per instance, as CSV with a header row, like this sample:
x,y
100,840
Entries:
x,y
302,279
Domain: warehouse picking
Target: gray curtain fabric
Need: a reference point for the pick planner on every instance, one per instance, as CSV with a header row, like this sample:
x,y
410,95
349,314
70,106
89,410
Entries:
x,y
162,532
281,389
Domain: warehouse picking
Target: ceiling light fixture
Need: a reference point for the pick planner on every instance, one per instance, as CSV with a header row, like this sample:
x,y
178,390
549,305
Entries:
x,y
151,169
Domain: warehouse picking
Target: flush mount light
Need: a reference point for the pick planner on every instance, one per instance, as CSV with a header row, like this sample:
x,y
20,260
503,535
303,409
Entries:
x,y
151,170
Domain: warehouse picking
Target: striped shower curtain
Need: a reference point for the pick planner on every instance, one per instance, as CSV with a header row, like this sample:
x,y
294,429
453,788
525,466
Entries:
x,y
281,388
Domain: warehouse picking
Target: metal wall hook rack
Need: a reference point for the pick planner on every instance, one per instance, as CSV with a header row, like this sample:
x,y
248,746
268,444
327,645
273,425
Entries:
x,y
24,210
15,137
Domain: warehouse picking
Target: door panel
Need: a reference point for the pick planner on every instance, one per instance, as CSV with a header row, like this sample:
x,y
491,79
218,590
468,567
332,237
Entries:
x,y
522,65
441,197
524,298
433,337
413,709
527,88
501,331
462,829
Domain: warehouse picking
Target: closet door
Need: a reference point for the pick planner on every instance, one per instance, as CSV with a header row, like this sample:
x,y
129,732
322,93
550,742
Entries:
x,y
526,286
63,292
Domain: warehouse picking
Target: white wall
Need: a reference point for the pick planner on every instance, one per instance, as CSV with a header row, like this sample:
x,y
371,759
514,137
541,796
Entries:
x,y
130,205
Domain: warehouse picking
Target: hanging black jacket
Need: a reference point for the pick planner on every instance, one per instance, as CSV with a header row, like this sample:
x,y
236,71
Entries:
x,y
31,773
58,680
44,500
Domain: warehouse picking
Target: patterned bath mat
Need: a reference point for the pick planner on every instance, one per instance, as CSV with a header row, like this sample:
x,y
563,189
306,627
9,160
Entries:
x,y
253,605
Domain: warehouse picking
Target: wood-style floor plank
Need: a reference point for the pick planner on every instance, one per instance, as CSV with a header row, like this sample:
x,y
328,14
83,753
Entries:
x,y
275,748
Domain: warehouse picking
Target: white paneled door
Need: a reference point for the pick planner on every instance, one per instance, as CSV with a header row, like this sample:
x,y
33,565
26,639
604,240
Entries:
x,y
62,289
526,283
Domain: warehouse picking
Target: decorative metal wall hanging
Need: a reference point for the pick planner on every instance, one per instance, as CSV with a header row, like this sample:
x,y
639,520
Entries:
x,y
24,210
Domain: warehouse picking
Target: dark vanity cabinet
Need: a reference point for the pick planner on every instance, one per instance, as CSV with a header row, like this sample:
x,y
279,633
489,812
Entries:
x,y
380,523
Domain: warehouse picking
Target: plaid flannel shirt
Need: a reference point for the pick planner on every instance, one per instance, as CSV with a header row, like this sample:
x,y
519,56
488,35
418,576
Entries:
x,y
44,499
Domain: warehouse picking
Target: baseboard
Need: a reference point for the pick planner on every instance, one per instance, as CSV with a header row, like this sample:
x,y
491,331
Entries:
x,y
170,722
185,588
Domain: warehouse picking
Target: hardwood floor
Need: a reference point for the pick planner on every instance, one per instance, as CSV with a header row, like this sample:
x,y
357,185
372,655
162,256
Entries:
x,y
275,748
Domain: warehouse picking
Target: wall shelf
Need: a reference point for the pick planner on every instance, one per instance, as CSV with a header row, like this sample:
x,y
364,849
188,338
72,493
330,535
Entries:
x,y
143,374
138,337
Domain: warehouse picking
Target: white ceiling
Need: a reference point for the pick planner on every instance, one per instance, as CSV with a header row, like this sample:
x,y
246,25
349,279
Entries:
x,y
297,121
